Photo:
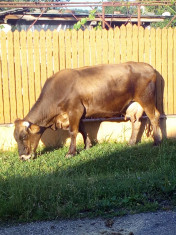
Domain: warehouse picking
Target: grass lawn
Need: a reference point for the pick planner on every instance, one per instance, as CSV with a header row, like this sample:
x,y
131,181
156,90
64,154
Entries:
x,y
109,179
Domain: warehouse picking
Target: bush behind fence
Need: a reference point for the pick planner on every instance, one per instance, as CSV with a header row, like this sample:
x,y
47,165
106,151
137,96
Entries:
x,y
27,59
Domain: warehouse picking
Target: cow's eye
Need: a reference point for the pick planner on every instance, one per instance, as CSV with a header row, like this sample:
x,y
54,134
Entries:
x,y
24,137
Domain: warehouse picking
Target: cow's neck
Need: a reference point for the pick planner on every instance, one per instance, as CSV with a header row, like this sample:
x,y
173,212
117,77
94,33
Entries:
x,y
40,114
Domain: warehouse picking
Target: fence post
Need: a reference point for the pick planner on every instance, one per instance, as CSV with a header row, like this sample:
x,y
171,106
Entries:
x,y
80,49
170,72
123,43
24,72
13,107
43,56
19,98
1,94
165,66
129,42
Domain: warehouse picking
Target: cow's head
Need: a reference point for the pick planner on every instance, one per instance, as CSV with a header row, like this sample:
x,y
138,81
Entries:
x,y
27,136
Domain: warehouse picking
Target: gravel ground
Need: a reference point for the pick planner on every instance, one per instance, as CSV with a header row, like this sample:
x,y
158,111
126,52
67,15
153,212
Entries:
x,y
159,223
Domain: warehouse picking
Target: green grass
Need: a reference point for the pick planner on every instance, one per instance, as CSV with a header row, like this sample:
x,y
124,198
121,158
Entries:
x,y
109,179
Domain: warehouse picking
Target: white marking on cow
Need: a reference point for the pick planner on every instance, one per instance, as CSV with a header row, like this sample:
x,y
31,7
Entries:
x,y
26,124
25,157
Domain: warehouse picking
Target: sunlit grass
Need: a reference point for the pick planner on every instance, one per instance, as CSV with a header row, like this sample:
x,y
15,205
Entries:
x,y
109,179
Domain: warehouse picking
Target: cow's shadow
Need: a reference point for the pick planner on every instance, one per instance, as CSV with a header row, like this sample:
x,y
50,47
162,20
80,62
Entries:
x,y
60,137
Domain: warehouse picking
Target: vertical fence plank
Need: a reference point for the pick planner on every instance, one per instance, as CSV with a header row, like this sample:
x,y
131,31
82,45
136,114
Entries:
x,y
158,68
56,51
105,46
99,46
141,44
170,72
74,49
174,65
1,94
49,53
165,67
123,43
147,46
129,42
11,76
43,57
5,81
117,44
68,48
111,46
31,68
158,50
135,56
24,72
153,47
37,64
18,75
80,49
92,47
62,49
86,48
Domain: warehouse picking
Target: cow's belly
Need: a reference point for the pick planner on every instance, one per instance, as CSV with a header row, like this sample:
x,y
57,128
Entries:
x,y
106,103
102,114
109,110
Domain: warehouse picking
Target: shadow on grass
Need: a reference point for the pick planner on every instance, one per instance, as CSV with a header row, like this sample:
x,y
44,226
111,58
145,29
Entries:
x,y
107,179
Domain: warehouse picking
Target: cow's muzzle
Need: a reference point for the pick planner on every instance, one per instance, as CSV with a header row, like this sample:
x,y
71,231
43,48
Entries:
x,y
25,157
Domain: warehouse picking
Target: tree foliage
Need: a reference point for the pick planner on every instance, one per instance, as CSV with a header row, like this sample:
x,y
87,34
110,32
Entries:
x,y
122,9
159,10
81,23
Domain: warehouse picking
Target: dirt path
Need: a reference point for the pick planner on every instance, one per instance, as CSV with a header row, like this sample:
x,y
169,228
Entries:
x,y
159,223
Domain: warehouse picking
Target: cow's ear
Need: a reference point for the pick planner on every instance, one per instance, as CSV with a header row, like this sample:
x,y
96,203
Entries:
x,y
22,123
34,129
17,121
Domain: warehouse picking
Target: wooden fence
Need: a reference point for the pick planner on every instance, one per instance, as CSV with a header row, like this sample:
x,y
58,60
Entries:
x,y
27,59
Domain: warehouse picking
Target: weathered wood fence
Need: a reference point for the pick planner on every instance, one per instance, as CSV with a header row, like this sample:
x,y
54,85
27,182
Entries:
x,y
27,59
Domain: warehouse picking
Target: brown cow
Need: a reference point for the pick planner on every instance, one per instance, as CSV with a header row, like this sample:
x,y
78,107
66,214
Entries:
x,y
99,91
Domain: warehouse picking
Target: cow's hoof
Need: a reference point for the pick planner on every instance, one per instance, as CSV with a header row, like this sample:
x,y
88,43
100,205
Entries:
x,y
155,144
69,155
131,143
88,146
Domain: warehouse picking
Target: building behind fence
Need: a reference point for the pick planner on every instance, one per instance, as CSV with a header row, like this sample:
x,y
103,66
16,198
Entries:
x,y
27,59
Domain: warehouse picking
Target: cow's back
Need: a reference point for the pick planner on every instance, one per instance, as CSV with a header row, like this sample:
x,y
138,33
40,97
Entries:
x,y
106,90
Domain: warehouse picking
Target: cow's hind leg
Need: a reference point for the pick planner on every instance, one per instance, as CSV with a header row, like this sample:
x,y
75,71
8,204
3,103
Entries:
x,y
74,120
154,115
87,142
136,125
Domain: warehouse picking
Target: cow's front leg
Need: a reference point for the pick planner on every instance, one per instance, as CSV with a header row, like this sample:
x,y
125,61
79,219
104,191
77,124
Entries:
x,y
72,148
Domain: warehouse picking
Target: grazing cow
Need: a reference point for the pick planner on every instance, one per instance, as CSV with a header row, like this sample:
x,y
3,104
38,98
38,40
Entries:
x,y
98,91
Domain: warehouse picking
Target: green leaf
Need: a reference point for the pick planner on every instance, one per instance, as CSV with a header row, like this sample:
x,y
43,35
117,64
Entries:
x,y
83,21
91,17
